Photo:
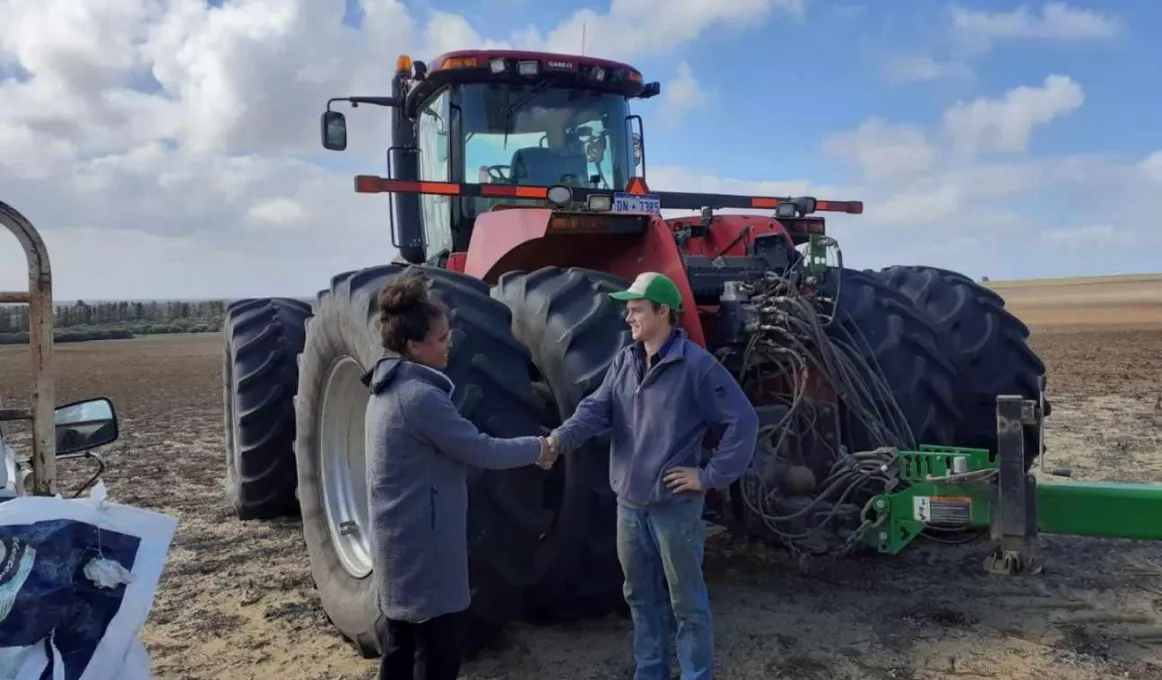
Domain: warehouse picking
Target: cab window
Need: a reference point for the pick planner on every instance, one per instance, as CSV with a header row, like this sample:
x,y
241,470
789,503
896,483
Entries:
x,y
541,137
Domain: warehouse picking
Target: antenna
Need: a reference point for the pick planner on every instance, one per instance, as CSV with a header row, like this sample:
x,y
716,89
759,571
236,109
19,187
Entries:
x,y
583,25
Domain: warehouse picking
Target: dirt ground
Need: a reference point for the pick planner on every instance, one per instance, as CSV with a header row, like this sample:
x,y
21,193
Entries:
x,y
236,600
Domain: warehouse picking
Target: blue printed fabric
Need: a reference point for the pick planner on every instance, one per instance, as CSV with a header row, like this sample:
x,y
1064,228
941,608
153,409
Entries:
x,y
44,591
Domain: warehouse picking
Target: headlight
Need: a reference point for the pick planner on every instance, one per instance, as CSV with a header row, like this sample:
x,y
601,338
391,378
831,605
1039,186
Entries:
x,y
600,202
560,195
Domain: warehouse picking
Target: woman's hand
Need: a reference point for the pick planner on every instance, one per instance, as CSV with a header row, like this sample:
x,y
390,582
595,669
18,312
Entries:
x,y
550,450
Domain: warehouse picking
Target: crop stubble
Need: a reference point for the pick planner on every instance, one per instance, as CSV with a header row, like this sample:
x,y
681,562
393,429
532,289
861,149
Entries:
x,y
236,600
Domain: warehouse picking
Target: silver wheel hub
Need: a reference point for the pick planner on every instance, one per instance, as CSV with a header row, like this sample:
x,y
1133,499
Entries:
x,y
343,466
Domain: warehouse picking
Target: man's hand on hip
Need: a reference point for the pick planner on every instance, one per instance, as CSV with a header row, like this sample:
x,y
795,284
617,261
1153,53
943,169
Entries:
x,y
681,479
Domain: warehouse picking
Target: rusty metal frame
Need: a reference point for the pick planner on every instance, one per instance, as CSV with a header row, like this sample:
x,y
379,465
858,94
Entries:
x,y
38,297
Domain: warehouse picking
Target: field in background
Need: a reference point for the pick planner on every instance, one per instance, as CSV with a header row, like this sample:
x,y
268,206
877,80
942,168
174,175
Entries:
x,y
1076,281
237,601
1132,300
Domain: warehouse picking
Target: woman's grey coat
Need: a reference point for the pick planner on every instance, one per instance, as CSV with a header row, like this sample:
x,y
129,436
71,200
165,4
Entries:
x,y
418,449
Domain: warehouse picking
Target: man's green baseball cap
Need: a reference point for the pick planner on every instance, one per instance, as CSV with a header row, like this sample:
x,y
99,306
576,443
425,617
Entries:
x,y
654,287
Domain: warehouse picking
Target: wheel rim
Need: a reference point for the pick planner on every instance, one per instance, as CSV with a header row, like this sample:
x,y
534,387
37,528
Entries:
x,y
343,469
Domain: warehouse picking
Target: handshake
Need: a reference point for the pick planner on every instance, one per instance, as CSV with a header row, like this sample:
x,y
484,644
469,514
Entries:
x,y
550,450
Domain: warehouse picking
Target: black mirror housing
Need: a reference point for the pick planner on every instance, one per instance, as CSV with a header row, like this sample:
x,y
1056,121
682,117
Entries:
x,y
333,130
84,425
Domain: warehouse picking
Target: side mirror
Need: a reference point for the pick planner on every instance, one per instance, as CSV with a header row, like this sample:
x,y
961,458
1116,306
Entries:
x,y
333,126
637,150
85,425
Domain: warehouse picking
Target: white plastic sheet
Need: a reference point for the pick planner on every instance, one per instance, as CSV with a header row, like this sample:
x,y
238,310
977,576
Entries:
x,y
77,581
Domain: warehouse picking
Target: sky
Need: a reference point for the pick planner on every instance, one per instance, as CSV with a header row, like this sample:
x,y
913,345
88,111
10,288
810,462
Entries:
x,y
169,148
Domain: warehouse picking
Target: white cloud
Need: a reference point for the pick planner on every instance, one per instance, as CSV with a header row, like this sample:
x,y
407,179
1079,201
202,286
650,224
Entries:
x,y
1005,124
1084,238
278,211
914,68
635,28
447,32
680,95
669,178
881,150
1151,167
970,34
1057,21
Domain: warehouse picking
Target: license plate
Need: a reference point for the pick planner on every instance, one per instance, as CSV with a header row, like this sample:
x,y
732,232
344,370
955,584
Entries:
x,y
636,203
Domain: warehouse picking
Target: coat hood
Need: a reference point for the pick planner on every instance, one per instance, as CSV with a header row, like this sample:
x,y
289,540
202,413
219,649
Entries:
x,y
394,368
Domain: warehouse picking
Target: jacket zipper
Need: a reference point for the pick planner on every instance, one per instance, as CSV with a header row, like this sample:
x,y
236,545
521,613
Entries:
x,y
649,373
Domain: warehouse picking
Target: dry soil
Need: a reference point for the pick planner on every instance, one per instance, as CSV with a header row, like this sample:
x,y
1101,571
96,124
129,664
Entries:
x,y
236,600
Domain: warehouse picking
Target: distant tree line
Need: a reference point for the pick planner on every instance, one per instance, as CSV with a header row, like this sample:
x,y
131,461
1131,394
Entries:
x,y
81,321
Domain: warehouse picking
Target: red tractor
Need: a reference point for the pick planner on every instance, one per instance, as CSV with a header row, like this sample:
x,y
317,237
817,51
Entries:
x,y
519,190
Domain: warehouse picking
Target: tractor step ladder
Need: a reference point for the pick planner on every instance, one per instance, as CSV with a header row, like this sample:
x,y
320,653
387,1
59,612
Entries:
x,y
38,297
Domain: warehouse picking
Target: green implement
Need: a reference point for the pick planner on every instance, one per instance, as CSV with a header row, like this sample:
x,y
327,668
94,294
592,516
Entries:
x,y
957,489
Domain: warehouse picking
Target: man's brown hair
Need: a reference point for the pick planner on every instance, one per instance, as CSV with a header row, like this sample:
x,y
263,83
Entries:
x,y
672,316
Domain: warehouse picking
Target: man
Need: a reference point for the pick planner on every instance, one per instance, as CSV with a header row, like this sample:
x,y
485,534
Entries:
x,y
658,399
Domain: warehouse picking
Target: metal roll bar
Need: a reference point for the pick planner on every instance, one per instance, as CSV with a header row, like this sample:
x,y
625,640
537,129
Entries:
x,y
38,297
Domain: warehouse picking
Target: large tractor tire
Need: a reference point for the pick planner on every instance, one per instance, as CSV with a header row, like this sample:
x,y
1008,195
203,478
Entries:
x,y
889,333
987,344
263,338
573,331
491,371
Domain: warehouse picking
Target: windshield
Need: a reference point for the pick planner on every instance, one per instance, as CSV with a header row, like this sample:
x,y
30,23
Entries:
x,y
552,136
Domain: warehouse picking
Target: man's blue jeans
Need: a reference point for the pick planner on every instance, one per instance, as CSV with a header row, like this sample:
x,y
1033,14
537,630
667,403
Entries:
x,y
660,547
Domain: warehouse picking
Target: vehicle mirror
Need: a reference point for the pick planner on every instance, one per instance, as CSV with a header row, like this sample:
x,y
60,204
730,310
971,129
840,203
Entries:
x,y
85,425
637,150
334,130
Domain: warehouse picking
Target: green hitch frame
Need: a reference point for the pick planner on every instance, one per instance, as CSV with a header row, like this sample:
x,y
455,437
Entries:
x,y
953,488
817,245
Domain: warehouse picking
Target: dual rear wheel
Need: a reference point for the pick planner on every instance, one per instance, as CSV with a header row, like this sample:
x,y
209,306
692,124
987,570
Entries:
x,y
540,543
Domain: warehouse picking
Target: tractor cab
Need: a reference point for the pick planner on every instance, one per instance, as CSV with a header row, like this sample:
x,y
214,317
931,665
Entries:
x,y
501,120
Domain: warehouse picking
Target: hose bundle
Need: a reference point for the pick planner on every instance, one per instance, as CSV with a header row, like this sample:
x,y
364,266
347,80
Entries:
x,y
799,330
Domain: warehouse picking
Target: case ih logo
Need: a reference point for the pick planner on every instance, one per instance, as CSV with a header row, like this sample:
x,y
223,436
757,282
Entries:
x,y
561,64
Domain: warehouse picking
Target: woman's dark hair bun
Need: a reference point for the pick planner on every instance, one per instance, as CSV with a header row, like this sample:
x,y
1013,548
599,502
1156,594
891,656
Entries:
x,y
401,296
407,308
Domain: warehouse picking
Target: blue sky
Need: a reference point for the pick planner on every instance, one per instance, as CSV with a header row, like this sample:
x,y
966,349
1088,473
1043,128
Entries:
x,y
178,138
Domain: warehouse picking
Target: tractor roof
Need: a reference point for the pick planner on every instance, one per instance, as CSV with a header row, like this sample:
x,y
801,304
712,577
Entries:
x,y
483,57
527,69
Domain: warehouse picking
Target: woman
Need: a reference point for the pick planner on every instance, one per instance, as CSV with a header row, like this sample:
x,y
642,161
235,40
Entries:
x,y
419,447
